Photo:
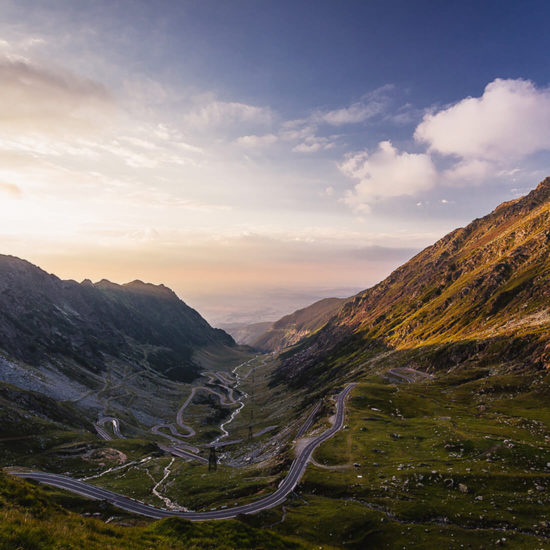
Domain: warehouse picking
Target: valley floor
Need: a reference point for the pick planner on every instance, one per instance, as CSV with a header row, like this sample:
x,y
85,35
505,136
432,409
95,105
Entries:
x,y
461,460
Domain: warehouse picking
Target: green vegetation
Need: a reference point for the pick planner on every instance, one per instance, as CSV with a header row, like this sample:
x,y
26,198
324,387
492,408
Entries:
x,y
461,461
458,461
238,479
33,518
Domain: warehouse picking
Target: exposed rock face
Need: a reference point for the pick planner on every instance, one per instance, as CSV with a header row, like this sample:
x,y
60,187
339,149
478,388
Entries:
x,y
488,280
43,318
245,333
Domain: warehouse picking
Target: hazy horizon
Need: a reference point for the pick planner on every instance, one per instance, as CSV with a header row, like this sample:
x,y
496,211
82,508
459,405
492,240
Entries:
x,y
256,157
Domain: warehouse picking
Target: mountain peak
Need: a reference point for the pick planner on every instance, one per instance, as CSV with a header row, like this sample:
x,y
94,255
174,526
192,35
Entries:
x,y
544,184
537,196
93,324
105,283
150,288
489,279
533,199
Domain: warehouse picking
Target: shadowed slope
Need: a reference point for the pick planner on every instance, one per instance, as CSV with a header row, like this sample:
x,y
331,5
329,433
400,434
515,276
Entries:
x,y
43,318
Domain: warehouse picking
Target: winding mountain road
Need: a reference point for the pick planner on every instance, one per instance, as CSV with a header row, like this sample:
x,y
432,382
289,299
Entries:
x,y
288,484
221,397
182,453
309,421
100,428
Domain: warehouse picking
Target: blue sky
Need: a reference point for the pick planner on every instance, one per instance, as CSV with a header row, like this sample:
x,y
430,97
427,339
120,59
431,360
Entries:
x,y
258,155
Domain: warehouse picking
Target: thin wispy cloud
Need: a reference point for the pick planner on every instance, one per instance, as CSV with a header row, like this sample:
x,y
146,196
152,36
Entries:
x,y
310,131
10,190
228,113
36,99
312,144
135,130
257,141
372,104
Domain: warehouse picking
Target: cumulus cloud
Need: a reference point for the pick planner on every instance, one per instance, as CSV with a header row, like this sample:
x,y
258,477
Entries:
x,y
482,137
386,173
34,99
227,113
468,171
510,121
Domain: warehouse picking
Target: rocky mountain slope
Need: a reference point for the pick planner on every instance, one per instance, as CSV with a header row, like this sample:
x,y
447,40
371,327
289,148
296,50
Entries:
x,y
245,333
46,320
481,290
292,328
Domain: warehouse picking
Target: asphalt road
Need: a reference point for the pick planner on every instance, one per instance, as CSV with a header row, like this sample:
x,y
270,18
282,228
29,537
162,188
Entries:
x,y
100,428
309,421
290,481
221,397
176,451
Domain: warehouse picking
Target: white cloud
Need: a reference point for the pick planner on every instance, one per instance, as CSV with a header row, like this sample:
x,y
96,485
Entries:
x,y
35,99
313,144
170,136
10,189
15,48
370,105
307,129
355,113
297,129
510,121
257,141
471,171
146,150
304,131
486,137
305,147
222,113
386,173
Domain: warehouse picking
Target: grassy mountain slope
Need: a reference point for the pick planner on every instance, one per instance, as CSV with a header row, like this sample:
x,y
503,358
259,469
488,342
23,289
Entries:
x,y
290,329
36,518
481,289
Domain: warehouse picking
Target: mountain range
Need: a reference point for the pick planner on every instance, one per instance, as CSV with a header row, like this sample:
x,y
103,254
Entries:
x,y
481,290
287,331
45,319
446,426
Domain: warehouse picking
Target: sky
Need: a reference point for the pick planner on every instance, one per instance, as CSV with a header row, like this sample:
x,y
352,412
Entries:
x,y
256,156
